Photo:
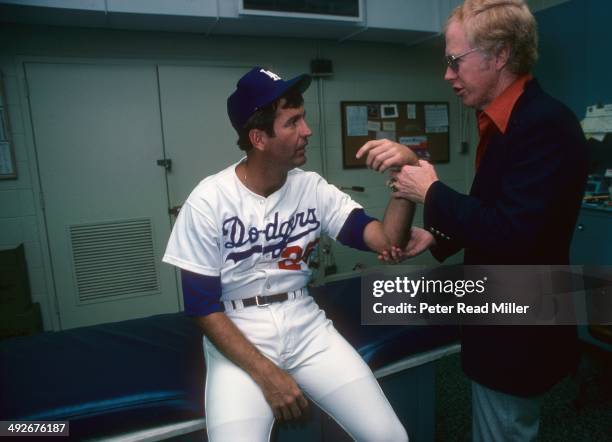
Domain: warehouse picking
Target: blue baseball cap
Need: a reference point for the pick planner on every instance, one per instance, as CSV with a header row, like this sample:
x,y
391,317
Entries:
x,y
256,89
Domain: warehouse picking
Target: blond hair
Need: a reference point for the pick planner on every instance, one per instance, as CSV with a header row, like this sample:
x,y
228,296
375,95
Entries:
x,y
491,25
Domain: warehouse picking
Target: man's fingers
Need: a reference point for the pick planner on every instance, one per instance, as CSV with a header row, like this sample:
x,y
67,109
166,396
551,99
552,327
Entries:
x,y
384,256
292,409
286,413
375,155
393,159
366,147
378,159
296,412
293,405
303,403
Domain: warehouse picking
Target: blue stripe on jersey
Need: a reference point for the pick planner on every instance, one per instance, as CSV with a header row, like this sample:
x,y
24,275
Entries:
x,y
351,233
201,293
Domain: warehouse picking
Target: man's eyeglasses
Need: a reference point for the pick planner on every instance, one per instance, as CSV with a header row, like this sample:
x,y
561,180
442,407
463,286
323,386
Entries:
x,y
452,61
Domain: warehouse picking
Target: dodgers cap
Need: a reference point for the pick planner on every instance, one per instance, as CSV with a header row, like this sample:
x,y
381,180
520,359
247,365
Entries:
x,y
256,89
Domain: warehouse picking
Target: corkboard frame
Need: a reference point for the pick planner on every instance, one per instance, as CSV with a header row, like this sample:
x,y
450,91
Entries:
x,y
438,142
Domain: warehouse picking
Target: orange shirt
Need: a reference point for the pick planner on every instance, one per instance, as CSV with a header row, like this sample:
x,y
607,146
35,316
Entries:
x,y
494,119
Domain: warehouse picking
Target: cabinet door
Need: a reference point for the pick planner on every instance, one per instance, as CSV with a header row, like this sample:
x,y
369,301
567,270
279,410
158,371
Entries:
x,y
98,138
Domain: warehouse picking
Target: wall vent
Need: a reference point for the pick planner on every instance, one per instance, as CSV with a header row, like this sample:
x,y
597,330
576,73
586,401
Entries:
x,y
114,260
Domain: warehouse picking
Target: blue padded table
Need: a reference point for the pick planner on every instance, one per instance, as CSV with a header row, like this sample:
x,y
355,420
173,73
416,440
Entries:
x,y
124,375
143,379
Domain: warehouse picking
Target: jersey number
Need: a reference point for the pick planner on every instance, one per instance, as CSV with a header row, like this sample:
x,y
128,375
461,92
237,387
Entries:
x,y
293,255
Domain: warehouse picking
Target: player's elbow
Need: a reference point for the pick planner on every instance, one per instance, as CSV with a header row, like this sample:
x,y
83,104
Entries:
x,y
376,238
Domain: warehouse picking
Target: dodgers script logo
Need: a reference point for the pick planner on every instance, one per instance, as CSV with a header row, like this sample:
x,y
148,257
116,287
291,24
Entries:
x,y
281,234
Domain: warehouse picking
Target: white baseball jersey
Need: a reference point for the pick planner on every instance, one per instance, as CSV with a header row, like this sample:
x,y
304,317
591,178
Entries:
x,y
257,245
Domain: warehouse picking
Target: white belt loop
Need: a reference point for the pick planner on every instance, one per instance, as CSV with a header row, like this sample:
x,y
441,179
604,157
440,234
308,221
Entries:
x,y
234,304
296,293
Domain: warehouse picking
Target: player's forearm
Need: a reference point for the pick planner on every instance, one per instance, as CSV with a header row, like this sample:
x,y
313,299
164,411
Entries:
x,y
230,341
394,230
397,222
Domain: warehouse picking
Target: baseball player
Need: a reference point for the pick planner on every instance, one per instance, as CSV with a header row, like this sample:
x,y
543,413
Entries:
x,y
242,241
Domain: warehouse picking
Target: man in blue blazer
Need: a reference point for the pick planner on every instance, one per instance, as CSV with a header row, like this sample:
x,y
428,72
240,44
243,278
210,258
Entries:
x,y
521,209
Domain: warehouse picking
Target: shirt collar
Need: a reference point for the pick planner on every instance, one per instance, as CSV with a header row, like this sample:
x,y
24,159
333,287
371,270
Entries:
x,y
501,107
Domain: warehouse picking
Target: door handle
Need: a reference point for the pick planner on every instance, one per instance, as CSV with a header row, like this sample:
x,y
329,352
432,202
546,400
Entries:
x,y
166,163
174,210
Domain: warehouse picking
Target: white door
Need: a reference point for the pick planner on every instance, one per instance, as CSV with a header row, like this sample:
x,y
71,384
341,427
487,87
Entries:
x,y
98,138
198,136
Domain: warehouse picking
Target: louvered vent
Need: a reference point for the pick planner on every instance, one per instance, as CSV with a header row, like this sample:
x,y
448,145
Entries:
x,y
114,260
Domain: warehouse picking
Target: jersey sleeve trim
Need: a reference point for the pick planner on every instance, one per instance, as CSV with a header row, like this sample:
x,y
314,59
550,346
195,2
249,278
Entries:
x,y
351,233
201,294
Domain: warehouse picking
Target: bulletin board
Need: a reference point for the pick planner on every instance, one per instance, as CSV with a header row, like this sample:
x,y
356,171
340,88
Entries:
x,y
422,126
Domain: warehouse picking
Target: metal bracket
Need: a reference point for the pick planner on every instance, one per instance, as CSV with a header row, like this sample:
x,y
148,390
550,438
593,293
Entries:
x,y
166,163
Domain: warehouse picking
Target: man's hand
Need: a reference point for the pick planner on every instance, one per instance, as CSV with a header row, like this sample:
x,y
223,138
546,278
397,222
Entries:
x,y
412,182
420,240
382,154
282,393
279,389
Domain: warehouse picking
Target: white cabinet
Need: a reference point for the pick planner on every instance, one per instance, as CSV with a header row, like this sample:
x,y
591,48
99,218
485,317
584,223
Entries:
x,y
395,21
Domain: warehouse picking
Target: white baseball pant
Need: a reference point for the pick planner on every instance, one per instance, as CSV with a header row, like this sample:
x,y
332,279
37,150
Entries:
x,y
297,336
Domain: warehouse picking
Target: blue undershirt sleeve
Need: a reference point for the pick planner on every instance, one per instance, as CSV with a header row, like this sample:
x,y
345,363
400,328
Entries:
x,y
351,233
201,294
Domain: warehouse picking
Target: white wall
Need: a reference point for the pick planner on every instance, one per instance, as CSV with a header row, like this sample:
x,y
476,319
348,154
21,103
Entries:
x,y
362,71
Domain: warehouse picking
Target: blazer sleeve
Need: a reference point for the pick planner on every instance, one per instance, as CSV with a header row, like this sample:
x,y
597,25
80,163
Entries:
x,y
539,170
438,194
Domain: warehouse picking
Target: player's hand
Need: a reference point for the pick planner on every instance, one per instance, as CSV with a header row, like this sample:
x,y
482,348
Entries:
x,y
420,240
383,154
392,255
283,394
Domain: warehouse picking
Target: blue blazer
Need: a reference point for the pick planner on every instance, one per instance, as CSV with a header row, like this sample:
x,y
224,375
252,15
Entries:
x,y
522,209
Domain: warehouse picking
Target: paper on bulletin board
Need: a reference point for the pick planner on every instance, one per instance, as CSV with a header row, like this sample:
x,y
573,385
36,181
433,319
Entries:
x,y
386,134
356,121
389,126
373,126
418,142
436,118
411,111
